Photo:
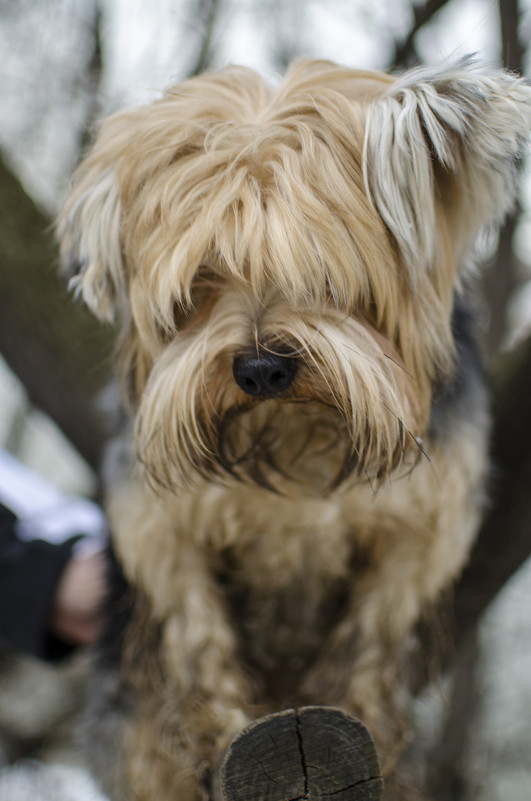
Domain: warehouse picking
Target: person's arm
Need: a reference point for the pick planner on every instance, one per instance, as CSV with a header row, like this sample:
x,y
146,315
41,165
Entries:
x,y
49,599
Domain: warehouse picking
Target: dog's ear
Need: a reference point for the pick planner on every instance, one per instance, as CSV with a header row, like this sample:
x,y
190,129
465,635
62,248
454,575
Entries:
x,y
89,233
441,144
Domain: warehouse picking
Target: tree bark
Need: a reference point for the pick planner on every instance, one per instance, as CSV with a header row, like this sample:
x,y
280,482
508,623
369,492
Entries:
x,y
55,347
504,542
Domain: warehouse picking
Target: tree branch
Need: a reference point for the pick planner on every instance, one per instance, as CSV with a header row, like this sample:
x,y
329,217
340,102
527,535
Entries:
x,y
513,51
59,352
404,53
208,9
504,542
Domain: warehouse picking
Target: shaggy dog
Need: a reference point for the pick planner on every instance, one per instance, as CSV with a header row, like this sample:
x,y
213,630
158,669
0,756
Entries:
x,y
302,473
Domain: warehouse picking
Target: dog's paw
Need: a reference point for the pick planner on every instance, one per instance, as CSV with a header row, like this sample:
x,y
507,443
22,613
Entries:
x,y
306,754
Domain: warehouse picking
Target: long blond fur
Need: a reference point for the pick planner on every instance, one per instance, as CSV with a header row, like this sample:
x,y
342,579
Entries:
x,y
445,137
270,188
345,366
329,221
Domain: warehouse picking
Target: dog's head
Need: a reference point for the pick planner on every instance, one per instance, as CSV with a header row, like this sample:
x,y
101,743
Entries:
x,y
283,261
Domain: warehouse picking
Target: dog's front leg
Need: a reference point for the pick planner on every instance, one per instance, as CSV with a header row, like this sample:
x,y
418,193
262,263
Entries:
x,y
361,667
408,562
365,670
190,695
197,699
364,665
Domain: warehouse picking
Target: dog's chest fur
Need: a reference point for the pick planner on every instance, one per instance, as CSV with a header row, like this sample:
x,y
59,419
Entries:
x,y
284,568
285,579
280,566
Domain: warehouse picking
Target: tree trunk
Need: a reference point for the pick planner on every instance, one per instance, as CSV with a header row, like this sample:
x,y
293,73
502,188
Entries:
x,y
504,542
55,347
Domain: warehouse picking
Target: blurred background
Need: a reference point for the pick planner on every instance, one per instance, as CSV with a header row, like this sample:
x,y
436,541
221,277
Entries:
x,y
67,63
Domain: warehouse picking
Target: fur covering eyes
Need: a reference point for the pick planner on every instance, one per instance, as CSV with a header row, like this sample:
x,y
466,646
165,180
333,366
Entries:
x,y
302,471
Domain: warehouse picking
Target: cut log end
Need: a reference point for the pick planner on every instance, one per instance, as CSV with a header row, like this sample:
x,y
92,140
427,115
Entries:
x,y
307,754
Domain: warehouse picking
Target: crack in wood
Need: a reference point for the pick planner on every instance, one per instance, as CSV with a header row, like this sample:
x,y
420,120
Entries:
x,y
264,771
352,786
302,755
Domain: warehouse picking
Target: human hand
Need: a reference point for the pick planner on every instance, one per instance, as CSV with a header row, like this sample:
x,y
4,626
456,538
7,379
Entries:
x,y
76,615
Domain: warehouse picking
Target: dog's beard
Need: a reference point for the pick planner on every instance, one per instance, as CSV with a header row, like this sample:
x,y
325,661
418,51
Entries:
x,y
276,444
351,413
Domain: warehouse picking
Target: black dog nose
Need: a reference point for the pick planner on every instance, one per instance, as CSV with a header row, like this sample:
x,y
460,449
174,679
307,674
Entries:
x,y
261,373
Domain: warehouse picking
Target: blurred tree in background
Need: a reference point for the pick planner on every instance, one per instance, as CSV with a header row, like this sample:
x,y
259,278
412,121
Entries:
x,y
67,62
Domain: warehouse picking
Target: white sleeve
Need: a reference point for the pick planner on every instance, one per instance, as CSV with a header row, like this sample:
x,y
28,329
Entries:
x,y
43,511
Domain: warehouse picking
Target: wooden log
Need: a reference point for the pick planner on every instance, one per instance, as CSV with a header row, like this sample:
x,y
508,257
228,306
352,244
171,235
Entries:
x,y
306,754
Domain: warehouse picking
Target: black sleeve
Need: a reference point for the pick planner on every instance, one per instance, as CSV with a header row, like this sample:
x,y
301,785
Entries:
x,y
29,573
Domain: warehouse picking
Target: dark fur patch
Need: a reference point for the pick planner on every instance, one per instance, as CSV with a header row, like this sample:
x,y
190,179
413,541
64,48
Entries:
x,y
460,396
